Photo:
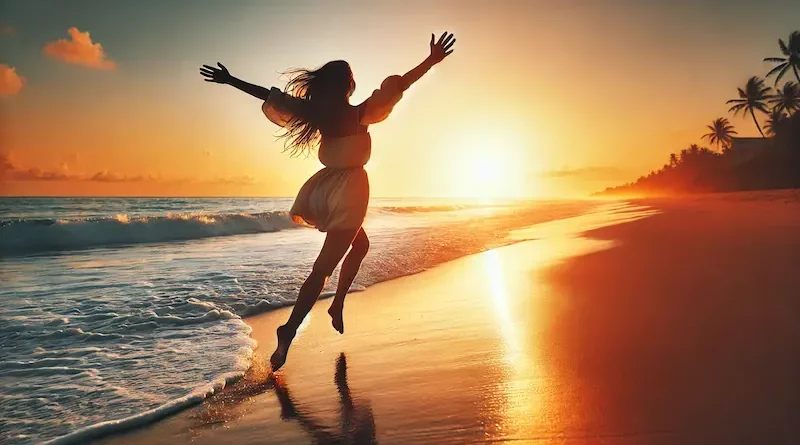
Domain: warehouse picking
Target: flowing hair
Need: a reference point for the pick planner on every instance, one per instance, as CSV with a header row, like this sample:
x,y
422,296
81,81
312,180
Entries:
x,y
332,80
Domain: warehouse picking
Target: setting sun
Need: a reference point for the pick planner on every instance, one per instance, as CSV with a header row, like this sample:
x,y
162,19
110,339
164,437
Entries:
x,y
486,170
488,167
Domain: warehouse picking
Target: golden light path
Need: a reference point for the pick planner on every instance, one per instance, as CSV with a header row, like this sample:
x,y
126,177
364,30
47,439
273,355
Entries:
x,y
521,360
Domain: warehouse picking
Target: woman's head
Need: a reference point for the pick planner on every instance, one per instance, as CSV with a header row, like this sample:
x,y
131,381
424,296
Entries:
x,y
330,85
332,81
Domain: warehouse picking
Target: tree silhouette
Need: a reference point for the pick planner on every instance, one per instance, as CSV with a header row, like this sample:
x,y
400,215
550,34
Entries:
x,y
774,121
791,57
720,133
753,97
787,98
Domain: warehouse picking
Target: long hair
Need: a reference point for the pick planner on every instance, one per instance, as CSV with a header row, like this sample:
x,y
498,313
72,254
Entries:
x,y
331,81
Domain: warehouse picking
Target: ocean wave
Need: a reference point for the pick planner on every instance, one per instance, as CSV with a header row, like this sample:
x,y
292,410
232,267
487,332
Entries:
x,y
102,429
423,209
43,235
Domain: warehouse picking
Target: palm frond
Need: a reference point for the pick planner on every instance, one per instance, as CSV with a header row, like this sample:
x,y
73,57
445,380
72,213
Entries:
x,y
780,75
736,109
783,66
775,59
784,48
760,106
794,42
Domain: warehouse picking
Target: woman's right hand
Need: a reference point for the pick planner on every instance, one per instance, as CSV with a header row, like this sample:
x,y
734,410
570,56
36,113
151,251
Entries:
x,y
217,75
442,48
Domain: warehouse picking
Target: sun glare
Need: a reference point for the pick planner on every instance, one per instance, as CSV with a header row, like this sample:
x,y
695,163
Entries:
x,y
487,168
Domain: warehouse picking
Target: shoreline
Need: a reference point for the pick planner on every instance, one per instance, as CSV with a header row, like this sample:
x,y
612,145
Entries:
x,y
112,428
559,348
257,379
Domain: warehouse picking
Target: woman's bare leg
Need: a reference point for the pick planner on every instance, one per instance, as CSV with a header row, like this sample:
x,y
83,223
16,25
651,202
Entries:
x,y
346,276
336,245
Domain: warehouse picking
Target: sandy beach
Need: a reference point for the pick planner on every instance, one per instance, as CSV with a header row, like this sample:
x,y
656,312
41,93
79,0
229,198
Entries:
x,y
678,324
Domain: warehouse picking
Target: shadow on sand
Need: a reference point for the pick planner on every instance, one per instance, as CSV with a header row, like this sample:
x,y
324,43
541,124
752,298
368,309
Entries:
x,y
356,423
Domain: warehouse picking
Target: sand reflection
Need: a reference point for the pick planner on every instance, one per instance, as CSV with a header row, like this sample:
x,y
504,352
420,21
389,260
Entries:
x,y
355,425
356,421
520,402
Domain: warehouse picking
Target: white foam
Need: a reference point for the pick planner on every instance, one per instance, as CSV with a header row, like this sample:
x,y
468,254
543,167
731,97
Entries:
x,y
109,427
28,236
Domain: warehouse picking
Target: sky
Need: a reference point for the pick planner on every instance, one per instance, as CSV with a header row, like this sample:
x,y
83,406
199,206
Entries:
x,y
541,98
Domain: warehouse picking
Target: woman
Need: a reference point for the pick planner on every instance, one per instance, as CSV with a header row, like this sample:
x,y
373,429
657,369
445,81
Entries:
x,y
315,111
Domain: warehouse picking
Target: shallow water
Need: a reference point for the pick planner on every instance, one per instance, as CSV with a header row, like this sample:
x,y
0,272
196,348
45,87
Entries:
x,y
113,307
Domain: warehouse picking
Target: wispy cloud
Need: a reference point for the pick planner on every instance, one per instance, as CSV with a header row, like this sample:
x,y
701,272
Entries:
x,y
10,172
79,49
11,83
600,173
233,180
106,176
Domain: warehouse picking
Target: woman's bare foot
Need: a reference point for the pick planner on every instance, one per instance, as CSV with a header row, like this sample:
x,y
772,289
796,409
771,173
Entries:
x,y
285,337
337,320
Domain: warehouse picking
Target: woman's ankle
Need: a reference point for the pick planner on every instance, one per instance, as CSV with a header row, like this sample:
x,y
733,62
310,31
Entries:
x,y
286,329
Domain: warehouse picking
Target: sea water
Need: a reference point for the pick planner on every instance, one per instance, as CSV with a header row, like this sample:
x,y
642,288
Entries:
x,y
118,311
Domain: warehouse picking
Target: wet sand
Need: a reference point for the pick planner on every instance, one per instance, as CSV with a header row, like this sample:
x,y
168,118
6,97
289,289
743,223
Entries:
x,y
682,327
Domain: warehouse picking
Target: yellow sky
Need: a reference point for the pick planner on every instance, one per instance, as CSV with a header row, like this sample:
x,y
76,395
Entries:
x,y
539,99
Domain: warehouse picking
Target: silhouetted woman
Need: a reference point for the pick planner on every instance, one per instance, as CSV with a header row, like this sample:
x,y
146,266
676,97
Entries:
x,y
315,111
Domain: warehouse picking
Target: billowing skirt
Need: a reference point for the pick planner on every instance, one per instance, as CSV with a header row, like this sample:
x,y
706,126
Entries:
x,y
333,199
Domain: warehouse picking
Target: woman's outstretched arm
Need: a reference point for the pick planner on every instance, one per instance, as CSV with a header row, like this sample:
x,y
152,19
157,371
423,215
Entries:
x,y
439,50
221,75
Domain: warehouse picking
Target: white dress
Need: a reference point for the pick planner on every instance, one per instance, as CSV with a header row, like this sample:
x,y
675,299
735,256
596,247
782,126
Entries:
x,y
336,197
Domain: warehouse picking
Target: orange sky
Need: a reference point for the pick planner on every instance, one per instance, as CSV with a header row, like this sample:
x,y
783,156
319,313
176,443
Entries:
x,y
539,99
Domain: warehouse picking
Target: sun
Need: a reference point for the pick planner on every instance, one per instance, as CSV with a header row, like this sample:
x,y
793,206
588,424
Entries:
x,y
485,170
487,173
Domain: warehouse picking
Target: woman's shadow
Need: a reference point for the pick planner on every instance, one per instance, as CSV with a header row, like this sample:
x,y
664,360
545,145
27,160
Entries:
x,y
356,421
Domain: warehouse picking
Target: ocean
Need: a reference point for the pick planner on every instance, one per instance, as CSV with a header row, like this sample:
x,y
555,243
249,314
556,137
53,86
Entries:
x,y
123,310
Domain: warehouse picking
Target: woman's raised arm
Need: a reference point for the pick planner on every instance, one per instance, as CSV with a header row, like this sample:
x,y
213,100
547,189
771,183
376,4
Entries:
x,y
439,50
222,75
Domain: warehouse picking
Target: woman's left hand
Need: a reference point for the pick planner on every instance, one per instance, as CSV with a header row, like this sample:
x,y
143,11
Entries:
x,y
442,48
217,75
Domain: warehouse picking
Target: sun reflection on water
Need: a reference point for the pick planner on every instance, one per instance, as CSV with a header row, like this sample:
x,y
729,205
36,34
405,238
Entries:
x,y
521,404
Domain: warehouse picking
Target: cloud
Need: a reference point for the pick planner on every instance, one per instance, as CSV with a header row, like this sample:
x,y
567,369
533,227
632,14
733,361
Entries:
x,y
6,30
586,173
105,176
79,50
11,83
234,180
10,172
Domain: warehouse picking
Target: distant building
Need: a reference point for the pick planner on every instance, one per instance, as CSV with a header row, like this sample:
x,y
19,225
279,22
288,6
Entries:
x,y
745,149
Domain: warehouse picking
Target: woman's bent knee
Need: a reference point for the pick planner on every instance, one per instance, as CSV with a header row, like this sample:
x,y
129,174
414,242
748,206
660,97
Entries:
x,y
360,248
319,273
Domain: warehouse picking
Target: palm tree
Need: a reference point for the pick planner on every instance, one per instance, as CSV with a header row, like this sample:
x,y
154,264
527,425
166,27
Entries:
x,y
684,155
774,121
792,59
752,98
721,133
786,98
